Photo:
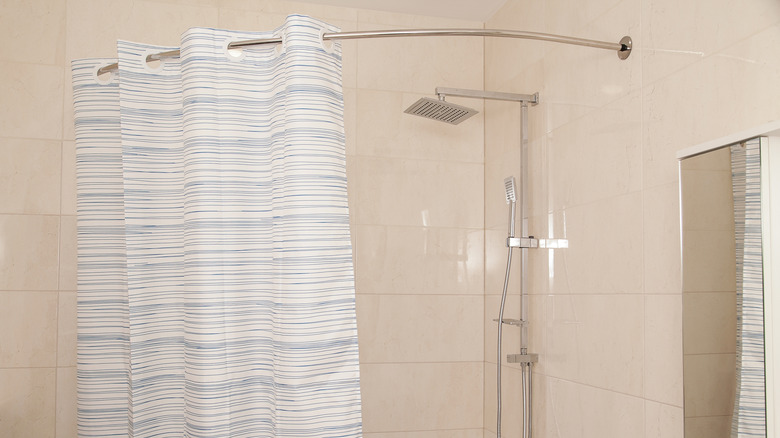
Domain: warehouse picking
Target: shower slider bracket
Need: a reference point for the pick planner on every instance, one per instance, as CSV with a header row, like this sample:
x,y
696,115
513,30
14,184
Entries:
x,y
509,321
522,358
530,242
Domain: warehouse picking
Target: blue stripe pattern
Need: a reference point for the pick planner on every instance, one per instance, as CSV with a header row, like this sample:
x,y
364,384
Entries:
x,y
749,418
216,286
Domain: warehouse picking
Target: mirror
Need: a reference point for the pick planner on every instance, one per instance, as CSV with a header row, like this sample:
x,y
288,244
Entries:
x,y
723,291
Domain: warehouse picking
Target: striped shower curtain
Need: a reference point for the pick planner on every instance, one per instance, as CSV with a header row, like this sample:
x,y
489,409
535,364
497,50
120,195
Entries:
x,y
749,417
216,290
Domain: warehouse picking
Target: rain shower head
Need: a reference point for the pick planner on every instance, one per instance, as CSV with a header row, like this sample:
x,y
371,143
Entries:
x,y
509,186
440,110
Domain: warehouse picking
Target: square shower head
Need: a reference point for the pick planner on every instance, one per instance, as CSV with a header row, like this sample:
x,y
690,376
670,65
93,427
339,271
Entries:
x,y
440,110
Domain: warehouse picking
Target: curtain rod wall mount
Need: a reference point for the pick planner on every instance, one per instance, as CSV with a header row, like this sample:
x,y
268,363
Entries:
x,y
623,48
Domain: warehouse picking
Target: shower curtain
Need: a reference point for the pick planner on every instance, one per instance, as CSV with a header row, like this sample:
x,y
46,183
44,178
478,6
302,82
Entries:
x,y
749,417
216,289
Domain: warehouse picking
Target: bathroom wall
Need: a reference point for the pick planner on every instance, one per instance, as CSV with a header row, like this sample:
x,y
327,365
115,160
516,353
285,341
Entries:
x,y
606,312
709,294
415,189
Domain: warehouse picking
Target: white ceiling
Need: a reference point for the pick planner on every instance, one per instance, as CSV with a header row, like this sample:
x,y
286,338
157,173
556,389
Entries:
x,y
472,10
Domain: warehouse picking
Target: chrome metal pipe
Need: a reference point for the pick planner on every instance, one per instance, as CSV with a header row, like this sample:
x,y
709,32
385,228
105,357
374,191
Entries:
x,y
623,47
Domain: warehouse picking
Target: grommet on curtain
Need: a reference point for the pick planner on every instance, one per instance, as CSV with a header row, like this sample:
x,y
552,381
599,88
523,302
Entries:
x,y
155,66
106,78
236,54
280,48
329,46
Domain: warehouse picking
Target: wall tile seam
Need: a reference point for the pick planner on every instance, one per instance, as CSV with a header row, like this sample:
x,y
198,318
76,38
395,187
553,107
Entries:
x,y
714,53
415,227
599,388
52,215
422,160
418,295
429,362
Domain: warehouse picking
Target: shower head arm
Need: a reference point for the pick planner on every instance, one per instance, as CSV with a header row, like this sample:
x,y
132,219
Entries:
x,y
533,99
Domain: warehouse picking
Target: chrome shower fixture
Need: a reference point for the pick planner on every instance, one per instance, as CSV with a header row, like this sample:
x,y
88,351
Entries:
x,y
509,186
453,114
440,110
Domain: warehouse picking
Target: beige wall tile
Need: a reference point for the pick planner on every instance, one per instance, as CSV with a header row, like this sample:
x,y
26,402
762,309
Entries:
x,y
511,401
709,384
350,120
384,130
710,322
462,433
68,254
393,19
708,427
661,240
68,184
421,396
605,246
496,254
596,340
417,260
707,199
66,329
413,328
663,421
27,396
663,365
418,193
669,44
285,8
28,252
419,65
31,104
28,329
93,27
588,412
66,421
29,176
708,257
597,156
32,31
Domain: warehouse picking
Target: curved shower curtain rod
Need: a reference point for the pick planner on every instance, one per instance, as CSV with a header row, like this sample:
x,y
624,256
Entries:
x,y
623,47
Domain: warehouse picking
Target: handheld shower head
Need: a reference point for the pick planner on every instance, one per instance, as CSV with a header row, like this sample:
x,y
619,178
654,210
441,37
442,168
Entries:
x,y
511,198
509,186
440,110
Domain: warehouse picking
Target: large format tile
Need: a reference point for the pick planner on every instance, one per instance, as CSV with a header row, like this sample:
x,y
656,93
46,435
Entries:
x,y
32,31
66,329
418,193
605,246
27,397
29,176
709,384
31,100
596,340
663,366
417,260
572,409
418,328
661,239
419,65
28,329
421,396
710,322
663,421
66,421
28,252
